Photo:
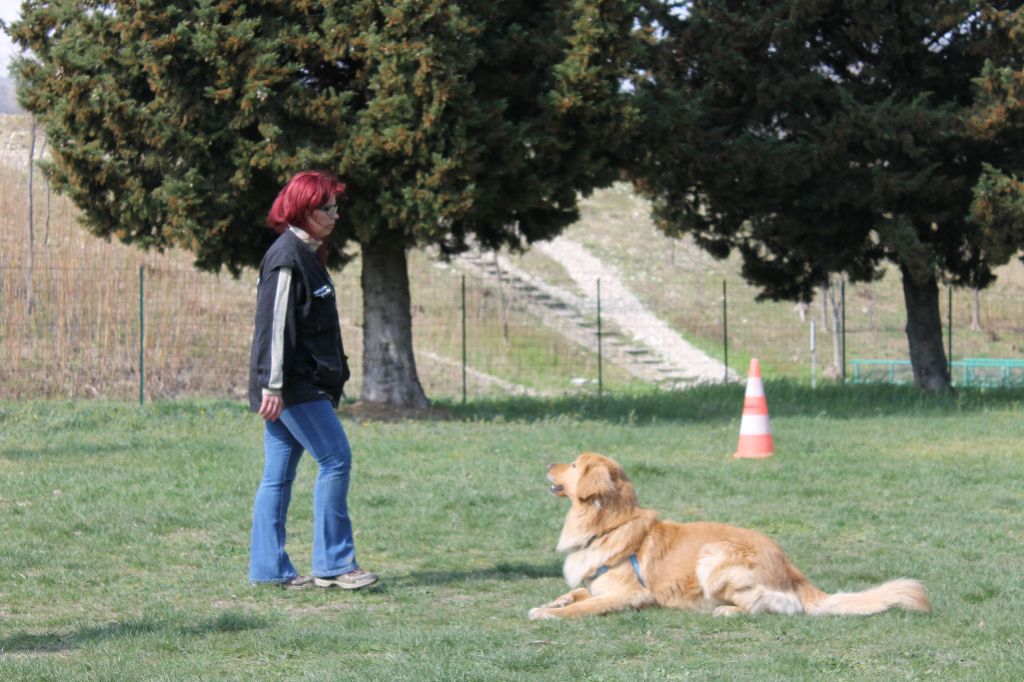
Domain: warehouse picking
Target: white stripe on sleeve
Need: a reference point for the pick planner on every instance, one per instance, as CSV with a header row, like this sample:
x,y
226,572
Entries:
x,y
281,298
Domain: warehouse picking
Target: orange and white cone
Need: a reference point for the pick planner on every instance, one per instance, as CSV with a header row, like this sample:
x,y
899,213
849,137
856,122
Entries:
x,y
755,431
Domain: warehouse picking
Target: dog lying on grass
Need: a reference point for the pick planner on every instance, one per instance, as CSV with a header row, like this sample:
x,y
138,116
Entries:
x,y
622,557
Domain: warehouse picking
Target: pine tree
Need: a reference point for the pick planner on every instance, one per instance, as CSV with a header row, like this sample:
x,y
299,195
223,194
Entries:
x,y
998,118
175,123
819,136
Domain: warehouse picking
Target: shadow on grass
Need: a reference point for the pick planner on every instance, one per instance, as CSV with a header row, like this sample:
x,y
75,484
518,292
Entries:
x,y
52,642
501,571
720,402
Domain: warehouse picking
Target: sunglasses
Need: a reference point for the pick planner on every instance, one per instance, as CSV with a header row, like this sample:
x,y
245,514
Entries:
x,y
329,208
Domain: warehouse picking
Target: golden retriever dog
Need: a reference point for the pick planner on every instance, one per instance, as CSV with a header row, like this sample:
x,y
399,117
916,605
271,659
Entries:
x,y
621,556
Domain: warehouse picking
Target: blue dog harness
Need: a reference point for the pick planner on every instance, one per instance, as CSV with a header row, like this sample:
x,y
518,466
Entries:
x,y
604,569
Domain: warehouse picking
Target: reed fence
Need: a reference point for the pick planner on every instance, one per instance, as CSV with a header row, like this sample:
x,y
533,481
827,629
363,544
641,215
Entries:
x,y
153,332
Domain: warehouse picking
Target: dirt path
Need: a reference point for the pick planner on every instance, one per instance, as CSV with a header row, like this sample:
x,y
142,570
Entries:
x,y
622,307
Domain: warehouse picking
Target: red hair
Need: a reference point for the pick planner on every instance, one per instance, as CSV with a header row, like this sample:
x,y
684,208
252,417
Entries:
x,y
304,193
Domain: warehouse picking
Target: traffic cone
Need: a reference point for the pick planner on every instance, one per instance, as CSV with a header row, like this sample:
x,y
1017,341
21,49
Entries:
x,y
755,431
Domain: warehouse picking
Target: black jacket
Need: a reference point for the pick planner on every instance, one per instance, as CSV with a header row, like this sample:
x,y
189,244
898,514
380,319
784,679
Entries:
x,y
296,346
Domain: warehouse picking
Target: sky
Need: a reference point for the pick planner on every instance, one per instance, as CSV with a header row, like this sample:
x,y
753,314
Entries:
x,y
9,10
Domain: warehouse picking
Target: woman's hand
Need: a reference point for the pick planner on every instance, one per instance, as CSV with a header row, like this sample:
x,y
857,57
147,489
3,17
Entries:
x,y
271,407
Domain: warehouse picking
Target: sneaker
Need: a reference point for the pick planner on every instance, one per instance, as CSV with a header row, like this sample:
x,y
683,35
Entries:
x,y
352,580
297,583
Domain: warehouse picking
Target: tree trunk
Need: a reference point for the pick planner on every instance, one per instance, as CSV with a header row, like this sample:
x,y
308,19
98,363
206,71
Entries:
x,y
389,368
924,332
833,315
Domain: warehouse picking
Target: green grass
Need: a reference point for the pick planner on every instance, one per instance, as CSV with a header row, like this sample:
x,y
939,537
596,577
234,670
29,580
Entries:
x,y
125,540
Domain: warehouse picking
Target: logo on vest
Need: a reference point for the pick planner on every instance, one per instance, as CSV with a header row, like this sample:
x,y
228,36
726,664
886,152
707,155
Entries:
x,y
323,292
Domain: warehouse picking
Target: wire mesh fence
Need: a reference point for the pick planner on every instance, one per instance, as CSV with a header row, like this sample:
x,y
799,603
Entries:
x,y
153,332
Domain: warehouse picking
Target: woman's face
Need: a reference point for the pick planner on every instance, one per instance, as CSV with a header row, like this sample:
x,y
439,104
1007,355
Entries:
x,y
320,222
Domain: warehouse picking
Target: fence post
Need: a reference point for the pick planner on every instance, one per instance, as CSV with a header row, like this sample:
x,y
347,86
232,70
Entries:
x,y
463,339
842,322
814,357
142,334
725,332
600,374
949,334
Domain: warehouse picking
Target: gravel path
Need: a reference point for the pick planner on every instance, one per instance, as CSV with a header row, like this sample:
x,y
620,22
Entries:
x,y
620,305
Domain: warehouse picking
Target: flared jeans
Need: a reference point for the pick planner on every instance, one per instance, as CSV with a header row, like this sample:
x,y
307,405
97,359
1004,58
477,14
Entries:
x,y
312,427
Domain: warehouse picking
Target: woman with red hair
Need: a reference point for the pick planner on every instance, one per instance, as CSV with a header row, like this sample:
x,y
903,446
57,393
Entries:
x,y
296,374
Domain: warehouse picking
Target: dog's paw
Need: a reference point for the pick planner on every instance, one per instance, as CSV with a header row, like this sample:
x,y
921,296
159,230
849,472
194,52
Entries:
x,y
727,611
540,613
559,603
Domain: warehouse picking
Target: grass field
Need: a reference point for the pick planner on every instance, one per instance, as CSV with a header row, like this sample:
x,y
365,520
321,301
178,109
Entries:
x,y
125,540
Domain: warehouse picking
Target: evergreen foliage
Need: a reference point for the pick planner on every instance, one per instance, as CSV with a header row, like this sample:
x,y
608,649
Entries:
x,y
175,123
819,136
998,204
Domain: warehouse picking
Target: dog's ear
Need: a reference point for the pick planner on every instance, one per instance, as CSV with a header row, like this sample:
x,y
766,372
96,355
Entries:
x,y
595,481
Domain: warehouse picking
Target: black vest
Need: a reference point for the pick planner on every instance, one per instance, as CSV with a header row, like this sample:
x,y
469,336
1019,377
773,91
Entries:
x,y
315,365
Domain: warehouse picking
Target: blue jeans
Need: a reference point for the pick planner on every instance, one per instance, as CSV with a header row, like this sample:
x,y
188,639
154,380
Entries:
x,y
313,427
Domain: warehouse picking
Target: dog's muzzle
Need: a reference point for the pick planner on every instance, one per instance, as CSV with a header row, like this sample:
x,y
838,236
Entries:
x,y
555,489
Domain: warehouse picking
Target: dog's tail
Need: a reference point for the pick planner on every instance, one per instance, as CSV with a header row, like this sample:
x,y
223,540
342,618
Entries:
x,y
903,593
